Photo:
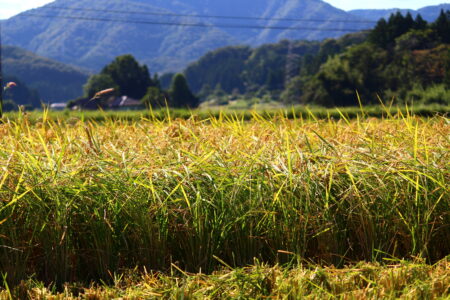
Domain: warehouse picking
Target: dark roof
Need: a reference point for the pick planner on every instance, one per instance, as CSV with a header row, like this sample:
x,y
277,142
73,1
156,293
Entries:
x,y
124,101
86,103
111,102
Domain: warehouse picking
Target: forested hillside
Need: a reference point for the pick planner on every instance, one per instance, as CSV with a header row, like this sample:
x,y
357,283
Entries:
x,y
54,81
403,58
265,68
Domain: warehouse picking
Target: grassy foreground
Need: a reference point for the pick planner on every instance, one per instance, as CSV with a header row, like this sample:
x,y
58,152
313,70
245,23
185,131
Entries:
x,y
82,200
295,112
364,281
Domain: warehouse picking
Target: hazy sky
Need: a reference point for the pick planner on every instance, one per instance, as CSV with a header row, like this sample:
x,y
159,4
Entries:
x,y
9,8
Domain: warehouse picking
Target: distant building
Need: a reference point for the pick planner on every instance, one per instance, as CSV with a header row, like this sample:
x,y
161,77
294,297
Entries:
x,y
115,103
124,102
58,106
85,104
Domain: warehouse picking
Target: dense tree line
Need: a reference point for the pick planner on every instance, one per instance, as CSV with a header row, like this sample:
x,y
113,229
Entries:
x,y
402,58
126,77
240,69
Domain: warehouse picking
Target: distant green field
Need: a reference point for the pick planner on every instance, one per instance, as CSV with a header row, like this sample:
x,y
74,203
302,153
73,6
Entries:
x,y
295,112
86,196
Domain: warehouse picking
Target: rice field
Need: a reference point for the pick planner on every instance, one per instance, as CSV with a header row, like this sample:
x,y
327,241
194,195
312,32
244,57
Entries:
x,y
86,201
404,280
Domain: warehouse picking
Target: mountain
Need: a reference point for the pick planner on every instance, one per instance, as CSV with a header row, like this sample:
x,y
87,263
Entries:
x,y
93,32
429,13
94,44
68,36
53,80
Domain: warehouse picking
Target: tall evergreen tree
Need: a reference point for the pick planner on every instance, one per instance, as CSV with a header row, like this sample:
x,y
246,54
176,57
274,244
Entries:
x,y
408,23
442,26
180,94
386,32
379,35
420,23
398,25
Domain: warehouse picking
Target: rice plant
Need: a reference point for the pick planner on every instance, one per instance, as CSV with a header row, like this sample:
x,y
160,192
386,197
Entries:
x,y
82,200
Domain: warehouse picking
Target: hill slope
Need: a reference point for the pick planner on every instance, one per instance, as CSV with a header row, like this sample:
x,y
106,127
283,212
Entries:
x,y
66,35
53,80
164,48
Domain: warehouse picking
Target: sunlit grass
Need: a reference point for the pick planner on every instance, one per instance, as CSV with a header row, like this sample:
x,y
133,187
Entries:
x,y
82,199
294,112
400,279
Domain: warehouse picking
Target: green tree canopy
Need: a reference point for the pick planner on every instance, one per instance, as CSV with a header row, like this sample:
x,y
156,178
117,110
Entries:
x,y
98,83
180,94
359,68
442,27
420,23
131,78
222,66
386,32
154,98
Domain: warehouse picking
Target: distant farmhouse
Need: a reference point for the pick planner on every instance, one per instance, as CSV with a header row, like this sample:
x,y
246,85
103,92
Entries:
x,y
58,106
112,103
125,102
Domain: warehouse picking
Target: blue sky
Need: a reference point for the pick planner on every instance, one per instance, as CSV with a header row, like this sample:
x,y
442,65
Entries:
x,y
9,8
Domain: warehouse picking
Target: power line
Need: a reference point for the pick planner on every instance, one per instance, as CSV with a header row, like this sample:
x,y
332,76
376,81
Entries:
x,y
243,26
205,16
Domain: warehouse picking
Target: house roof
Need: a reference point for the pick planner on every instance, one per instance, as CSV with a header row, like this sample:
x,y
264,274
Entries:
x,y
124,101
111,102
61,105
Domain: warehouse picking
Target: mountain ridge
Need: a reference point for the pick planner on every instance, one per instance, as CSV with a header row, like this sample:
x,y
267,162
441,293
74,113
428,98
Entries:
x,y
164,48
91,45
